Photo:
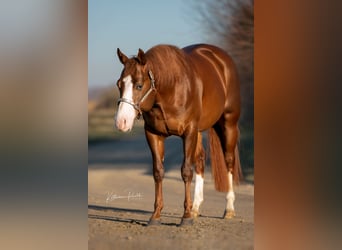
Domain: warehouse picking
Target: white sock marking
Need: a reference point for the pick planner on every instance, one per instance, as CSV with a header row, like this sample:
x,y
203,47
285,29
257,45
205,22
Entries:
x,y
198,196
230,195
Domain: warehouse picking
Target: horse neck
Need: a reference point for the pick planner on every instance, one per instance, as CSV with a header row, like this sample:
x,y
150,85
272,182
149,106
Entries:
x,y
166,82
168,68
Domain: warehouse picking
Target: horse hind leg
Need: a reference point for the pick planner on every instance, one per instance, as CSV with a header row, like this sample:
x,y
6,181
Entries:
x,y
230,198
231,133
199,181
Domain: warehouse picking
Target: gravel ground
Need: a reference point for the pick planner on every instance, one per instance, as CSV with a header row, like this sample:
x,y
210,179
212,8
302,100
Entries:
x,y
121,197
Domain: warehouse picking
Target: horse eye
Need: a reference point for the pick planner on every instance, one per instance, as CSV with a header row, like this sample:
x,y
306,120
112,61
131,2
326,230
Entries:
x,y
138,86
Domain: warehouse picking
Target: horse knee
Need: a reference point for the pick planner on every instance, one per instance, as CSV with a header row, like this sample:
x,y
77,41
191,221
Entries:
x,y
187,173
158,174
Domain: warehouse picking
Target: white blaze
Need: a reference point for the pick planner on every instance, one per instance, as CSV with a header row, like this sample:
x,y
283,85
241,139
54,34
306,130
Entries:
x,y
198,196
126,113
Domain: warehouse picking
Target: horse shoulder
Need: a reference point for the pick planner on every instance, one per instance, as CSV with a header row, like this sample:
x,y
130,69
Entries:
x,y
155,121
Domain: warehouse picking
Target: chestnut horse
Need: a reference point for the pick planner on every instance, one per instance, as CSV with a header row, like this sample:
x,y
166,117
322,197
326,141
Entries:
x,y
184,92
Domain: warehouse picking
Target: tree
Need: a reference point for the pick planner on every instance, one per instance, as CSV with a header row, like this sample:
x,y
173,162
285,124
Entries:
x,y
230,25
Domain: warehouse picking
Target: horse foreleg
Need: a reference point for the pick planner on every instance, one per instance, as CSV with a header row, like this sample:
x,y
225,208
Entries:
x,y
189,148
156,144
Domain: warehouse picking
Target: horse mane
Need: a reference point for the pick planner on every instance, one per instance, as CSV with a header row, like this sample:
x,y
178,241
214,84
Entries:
x,y
168,63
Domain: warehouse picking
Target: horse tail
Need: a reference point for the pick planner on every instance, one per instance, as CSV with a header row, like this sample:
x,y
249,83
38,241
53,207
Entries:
x,y
218,163
237,171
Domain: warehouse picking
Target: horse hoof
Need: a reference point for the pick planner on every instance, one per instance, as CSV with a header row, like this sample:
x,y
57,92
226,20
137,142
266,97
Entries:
x,y
229,214
154,222
187,222
195,214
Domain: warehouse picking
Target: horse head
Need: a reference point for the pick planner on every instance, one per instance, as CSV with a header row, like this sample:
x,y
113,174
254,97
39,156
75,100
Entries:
x,y
137,90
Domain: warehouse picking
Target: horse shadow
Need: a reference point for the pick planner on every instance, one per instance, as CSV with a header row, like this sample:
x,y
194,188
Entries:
x,y
132,220
124,219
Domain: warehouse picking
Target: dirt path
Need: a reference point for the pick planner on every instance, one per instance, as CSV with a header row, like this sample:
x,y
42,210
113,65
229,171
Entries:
x,y
121,197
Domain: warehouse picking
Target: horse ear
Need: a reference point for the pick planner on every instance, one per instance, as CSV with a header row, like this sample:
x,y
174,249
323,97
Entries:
x,y
141,57
122,57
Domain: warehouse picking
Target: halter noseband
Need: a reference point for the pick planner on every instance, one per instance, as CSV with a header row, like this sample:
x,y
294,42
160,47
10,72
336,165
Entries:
x,y
136,106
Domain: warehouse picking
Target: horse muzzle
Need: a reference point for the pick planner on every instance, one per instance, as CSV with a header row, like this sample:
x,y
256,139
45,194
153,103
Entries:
x,y
125,117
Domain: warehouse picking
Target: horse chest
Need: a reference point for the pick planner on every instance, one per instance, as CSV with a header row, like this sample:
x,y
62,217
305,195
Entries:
x,y
156,121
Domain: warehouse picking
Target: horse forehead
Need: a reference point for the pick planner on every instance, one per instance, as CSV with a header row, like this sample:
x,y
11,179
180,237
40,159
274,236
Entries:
x,y
133,69
127,80
127,87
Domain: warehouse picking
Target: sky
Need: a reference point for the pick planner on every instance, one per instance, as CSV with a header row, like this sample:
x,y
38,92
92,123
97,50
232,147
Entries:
x,y
133,24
